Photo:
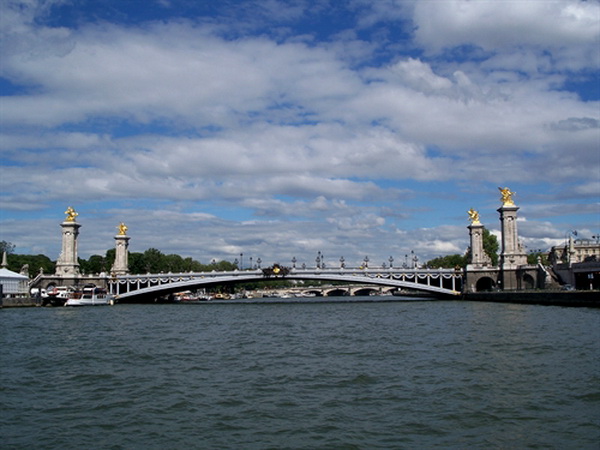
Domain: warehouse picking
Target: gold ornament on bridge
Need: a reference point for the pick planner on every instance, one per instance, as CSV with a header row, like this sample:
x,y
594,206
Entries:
x,y
473,217
71,214
122,229
507,195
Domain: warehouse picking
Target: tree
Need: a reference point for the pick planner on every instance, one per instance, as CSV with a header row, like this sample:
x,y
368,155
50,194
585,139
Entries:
x,y
35,263
448,261
532,258
490,246
94,264
136,263
7,247
154,261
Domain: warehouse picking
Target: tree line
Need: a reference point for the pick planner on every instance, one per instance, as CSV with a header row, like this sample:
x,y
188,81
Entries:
x,y
151,260
154,261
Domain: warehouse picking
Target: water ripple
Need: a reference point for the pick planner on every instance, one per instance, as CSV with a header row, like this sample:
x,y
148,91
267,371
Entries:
x,y
301,376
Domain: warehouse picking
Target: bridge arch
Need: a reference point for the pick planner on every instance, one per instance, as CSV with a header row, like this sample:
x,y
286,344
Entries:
x,y
441,282
485,284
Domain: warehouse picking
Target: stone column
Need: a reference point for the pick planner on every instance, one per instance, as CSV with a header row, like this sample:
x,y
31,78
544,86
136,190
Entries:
x,y
512,252
67,264
121,264
512,255
478,256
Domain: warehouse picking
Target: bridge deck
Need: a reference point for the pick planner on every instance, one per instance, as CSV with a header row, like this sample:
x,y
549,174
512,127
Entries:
x,y
438,281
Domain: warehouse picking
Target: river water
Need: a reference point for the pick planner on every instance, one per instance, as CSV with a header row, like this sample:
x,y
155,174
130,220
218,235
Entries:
x,y
308,375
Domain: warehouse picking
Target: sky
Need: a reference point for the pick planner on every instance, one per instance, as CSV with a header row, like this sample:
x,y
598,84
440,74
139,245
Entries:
x,y
276,129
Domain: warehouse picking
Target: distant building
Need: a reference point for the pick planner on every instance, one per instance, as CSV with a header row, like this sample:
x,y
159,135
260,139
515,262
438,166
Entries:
x,y
575,251
14,285
577,263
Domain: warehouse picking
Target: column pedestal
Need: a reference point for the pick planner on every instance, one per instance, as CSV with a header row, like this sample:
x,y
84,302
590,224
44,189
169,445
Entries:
x,y
67,264
121,264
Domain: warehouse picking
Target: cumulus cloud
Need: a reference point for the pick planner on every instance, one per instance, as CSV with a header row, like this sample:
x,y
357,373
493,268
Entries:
x,y
350,135
559,27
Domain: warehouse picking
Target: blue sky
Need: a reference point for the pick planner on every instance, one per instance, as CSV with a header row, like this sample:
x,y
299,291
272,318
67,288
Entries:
x,y
283,128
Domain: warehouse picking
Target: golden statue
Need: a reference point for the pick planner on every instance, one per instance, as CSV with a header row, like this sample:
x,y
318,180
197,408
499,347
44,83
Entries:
x,y
122,229
473,217
506,196
71,214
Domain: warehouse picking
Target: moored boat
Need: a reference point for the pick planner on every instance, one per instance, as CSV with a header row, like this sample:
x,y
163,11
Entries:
x,y
58,295
90,296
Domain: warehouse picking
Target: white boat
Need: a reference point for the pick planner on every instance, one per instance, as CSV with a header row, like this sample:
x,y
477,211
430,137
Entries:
x,y
58,295
91,296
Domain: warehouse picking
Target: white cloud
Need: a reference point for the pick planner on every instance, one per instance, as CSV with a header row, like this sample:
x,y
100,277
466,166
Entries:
x,y
271,132
568,28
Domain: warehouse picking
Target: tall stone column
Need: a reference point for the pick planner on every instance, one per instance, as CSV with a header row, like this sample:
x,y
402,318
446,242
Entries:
x,y
121,264
512,255
479,258
67,264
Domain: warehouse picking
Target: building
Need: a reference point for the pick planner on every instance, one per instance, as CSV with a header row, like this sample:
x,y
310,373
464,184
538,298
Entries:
x,y
577,263
13,284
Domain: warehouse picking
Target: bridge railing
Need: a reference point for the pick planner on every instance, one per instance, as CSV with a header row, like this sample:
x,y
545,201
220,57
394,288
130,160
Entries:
x,y
445,279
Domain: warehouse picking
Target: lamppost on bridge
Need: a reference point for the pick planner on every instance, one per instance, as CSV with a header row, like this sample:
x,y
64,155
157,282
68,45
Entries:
x,y
406,261
318,259
415,260
294,260
366,261
391,260
241,261
412,259
236,262
251,266
258,262
342,262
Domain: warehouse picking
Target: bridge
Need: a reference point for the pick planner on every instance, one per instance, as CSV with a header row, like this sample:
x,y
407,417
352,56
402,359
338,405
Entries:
x,y
440,282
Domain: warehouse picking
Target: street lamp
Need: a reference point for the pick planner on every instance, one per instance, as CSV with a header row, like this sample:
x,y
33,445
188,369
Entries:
x,y
294,260
391,260
342,262
366,260
258,261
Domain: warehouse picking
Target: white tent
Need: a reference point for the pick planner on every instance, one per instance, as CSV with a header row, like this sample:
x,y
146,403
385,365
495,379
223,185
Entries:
x,y
13,284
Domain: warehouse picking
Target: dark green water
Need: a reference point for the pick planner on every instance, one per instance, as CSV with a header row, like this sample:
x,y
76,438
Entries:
x,y
303,375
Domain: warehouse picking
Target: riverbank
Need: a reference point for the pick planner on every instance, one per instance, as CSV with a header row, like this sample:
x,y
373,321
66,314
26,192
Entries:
x,y
539,297
22,302
589,299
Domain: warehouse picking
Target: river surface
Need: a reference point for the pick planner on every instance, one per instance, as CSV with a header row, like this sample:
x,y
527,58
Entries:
x,y
308,375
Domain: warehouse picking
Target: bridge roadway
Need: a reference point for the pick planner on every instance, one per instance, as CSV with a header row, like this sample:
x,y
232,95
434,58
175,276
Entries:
x,y
442,282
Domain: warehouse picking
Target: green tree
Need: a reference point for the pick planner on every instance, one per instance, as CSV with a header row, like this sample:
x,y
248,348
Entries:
x,y
94,264
136,263
154,261
35,263
448,261
490,246
110,258
532,258
7,247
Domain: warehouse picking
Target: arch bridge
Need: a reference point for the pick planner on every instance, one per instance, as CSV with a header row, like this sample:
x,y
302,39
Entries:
x,y
440,282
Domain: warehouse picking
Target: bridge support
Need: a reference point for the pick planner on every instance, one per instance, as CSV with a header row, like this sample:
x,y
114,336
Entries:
x,y
121,264
512,257
67,265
